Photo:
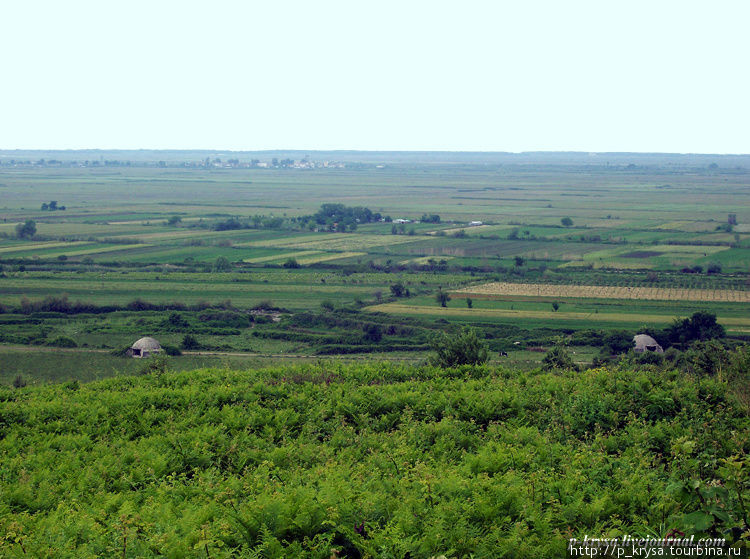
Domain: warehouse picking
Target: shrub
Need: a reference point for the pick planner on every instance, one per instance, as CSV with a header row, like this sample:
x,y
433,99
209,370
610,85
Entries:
x,y
176,320
222,264
265,305
26,230
291,263
171,350
189,342
558,358
442,297
397,289
701,326
157,364
63,341
617,342
372,332
463,349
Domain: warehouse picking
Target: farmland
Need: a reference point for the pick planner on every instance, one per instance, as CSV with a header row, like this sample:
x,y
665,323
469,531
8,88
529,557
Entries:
x,y
303,406
640,247
605,292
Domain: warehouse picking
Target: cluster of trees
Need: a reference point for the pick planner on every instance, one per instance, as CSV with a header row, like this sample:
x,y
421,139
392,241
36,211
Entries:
x,y
400,229
51,206
398,290
713,268
701,326
339,217
432,218
26,230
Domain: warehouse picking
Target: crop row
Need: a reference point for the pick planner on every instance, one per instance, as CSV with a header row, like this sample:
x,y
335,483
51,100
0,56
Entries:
x,y
608,292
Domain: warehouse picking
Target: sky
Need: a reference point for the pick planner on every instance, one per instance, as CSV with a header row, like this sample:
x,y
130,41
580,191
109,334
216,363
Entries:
x,y
524,75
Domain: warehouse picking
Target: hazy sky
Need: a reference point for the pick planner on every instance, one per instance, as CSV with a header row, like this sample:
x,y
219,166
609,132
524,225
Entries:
x,y
602,75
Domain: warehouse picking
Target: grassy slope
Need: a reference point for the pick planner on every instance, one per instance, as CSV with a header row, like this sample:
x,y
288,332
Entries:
x,y
287,462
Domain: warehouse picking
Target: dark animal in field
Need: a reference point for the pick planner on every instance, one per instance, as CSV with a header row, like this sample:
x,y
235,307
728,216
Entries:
x,y
503,354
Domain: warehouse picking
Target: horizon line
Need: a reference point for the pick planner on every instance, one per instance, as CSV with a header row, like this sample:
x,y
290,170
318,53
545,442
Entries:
x,y
389,151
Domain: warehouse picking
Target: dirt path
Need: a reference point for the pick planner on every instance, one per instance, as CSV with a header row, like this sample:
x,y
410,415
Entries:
x,y
350,357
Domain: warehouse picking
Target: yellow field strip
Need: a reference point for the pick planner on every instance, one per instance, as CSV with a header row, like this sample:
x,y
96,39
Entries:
x,y
260,259
334,241
397,308
329,256
98,250
42,246
613,262
180,234
607,292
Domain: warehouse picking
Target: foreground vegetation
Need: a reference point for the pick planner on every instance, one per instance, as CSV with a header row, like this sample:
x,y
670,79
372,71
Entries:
x,y
370,460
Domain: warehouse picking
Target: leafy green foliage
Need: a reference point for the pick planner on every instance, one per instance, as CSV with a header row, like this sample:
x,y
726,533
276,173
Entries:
x,y
558,358
63,341
701,326
222,264
157,364
442,298
379,460
291,263
189,342
26,230
452,350
398,289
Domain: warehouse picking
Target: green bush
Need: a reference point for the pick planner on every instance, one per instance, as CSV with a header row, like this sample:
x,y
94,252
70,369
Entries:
x,y
156,364
189,342
170,350
464,348
558,358
62,341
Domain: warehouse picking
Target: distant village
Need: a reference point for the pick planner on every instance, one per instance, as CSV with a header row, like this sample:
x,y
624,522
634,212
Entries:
x,y
207,163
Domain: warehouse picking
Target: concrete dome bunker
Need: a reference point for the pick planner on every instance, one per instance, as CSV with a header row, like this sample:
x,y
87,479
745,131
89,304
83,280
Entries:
x,y
145,347
644,343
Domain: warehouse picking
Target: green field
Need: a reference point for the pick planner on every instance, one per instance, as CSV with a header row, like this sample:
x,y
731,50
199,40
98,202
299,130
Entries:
x,y
186,234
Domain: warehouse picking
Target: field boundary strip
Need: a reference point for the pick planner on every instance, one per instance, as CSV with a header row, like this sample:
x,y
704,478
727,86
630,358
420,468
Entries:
x,y
606,292
398,308
281,256
41,246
